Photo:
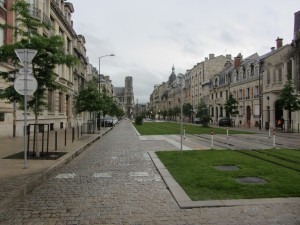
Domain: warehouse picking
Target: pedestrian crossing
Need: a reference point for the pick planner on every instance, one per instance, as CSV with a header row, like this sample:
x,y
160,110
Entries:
x,y
137,176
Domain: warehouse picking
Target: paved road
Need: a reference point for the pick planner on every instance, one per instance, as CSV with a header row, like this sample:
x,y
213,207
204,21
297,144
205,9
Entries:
x,y
115,182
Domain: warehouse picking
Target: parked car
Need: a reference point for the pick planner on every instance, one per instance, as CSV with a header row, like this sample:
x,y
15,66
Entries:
x,y
225,122
197,120
107,122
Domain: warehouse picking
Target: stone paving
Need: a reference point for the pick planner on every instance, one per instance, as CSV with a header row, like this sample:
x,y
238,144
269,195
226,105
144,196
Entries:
x,y
115,182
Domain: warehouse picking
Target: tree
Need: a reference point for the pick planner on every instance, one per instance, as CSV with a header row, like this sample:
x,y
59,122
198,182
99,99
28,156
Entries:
x,y
231,106
83,101
187,109
49,54
289,101
203,113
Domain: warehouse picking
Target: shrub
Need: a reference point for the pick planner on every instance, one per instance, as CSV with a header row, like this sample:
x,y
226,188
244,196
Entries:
x,y
139,120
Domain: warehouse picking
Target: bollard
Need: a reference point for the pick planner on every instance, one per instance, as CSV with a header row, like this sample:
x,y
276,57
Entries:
x,y
55,140
274,138
212,139
65,137
73,134
227,135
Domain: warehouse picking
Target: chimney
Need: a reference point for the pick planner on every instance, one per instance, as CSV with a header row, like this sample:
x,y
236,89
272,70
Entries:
x,y
237,60
211,56
272,49
296,24
279,42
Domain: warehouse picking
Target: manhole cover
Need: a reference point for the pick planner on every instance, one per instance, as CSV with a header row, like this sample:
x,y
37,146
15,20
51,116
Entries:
x,y
227,168
251,180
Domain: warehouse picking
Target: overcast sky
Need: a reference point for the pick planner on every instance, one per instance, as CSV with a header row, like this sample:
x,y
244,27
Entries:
x,y
149,36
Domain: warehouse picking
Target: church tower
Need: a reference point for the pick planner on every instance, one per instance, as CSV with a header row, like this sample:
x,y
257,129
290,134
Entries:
x,y
128,97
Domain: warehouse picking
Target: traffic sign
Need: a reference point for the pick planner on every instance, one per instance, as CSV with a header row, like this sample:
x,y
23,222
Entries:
x,y
25,55
22,71
19,85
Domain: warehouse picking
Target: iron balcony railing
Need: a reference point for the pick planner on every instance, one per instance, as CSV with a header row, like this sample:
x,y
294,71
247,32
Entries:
x,y
35,12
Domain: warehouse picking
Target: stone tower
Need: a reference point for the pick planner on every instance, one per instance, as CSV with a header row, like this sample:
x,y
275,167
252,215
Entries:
x,y
128,97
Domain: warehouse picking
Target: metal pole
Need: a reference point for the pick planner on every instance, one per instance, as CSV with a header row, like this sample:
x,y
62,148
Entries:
x,y
25,109
181,124
212,139
274,145
99,120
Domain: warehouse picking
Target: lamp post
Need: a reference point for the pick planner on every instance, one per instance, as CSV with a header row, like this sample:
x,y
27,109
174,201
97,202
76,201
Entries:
x,y
99,89
261,70
180,82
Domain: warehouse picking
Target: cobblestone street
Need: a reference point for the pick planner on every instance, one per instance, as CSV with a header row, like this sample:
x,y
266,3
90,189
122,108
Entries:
x,y
115,182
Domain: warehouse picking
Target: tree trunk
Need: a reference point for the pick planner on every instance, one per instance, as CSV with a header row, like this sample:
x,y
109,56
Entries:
x,y
289,125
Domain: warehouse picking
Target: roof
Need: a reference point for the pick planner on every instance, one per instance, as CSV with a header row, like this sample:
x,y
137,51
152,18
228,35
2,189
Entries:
x,y
119,91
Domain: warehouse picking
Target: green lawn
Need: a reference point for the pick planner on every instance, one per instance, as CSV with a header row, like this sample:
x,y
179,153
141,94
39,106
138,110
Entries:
x,y
160,128
196,173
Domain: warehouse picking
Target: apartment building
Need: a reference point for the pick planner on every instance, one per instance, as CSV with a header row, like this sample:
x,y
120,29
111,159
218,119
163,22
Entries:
x,y
59,112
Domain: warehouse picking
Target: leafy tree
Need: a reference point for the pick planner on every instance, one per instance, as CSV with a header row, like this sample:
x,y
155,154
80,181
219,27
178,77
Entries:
x,y
187,109
83,102
164,114
49,54
231,106
288,100
203,113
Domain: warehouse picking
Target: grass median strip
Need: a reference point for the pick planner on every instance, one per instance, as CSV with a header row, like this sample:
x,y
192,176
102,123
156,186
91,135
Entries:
x,y
196,172
161,128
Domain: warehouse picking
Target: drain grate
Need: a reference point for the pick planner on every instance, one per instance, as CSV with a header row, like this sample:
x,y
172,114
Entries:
x,y
251,180
227,168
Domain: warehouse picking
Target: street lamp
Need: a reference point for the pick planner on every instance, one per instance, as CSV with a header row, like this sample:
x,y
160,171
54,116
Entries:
x,y
180,82
99,67
261,70
99,82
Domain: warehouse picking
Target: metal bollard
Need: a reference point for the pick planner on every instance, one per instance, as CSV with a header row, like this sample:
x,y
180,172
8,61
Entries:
x,y
212,139
55,140
65,137
274,145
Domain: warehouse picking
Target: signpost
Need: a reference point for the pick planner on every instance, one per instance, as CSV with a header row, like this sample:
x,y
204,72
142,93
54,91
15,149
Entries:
x,y
25,85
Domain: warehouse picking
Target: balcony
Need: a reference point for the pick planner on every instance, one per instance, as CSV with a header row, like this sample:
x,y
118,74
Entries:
x,y
219,101
35,12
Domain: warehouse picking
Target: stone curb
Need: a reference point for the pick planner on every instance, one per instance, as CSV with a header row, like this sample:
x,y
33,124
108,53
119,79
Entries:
x,y
184,201
30,185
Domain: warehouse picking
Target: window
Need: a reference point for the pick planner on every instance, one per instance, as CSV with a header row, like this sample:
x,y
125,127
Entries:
x,y
2,3
50,101
256,110
248,93
67,73
240,94
279,74
274,76
221,94
61,103
1,36
289,68
268,76
256,92
2,116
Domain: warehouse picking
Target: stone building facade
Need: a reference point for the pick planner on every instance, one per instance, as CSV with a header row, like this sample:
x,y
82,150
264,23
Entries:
x,y
125,97
60,111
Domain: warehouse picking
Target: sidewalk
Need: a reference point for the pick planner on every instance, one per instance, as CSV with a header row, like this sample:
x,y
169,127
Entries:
x,y
15,181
